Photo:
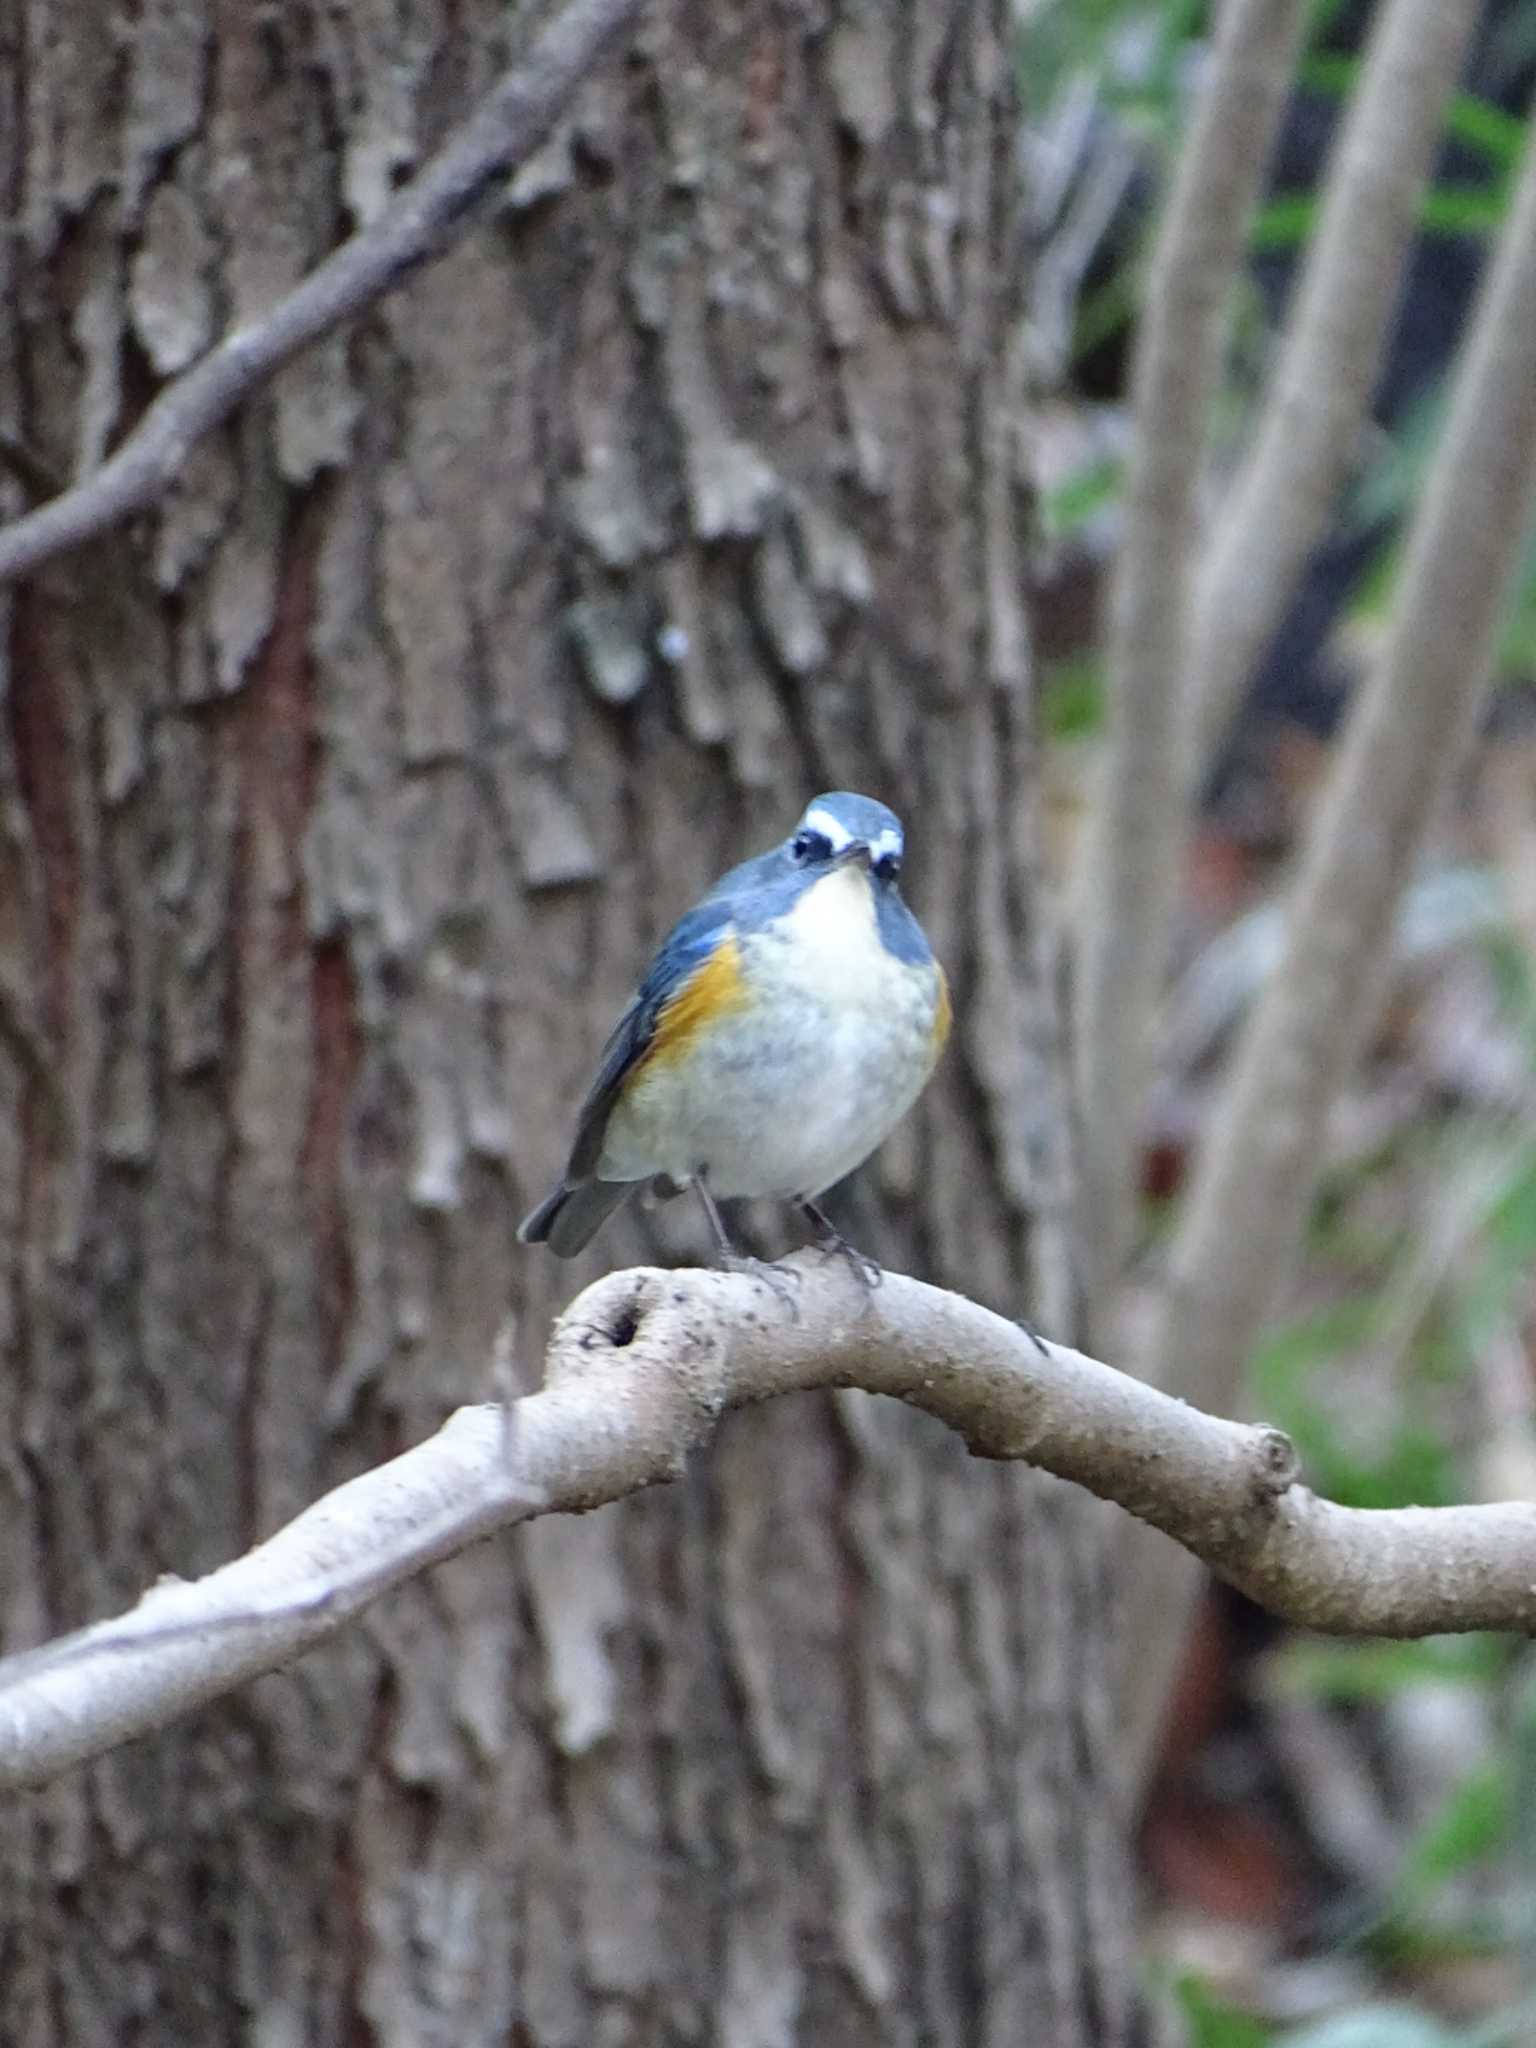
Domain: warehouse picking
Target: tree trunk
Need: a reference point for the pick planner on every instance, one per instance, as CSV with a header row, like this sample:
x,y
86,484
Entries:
x,y
342,800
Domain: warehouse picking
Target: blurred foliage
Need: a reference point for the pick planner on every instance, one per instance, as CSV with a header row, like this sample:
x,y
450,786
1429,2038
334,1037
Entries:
x,y
1139,63
1073,697
1378,1388
1352,1674
1405,1443
1211,2024
1420,1257
1133,54
1067,508
1394,1457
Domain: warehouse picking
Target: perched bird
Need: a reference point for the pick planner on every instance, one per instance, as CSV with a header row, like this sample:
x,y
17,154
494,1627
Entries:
x,y
784,1027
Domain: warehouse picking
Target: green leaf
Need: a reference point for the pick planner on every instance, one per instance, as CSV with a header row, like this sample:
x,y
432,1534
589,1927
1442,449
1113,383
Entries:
x,y
1069,505
1328,72
1464,209
1210,2024
1072,697
1105,311
1283,222
1485,126
1351,1673
1517,647
1286,221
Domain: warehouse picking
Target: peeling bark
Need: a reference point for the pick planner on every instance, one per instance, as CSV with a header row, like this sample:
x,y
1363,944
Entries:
x,y
340,800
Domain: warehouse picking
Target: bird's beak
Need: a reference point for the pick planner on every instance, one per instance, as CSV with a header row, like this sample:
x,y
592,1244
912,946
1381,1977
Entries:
x,y
857,849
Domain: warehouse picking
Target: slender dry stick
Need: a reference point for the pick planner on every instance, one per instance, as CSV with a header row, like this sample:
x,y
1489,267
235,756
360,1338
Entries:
x,y
424,218
1128,878
1407,733
641,1367
1315,408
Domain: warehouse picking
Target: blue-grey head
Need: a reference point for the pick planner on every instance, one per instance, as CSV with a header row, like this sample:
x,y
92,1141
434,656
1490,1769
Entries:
x,y
842,827
838,831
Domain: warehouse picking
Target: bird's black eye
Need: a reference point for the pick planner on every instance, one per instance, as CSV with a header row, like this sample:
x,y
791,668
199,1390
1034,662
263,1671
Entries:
x,y
808,846
887,867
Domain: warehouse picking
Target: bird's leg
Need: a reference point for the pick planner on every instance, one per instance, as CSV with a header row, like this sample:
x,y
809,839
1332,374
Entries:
x,y
835,1246
717,1230
781,1281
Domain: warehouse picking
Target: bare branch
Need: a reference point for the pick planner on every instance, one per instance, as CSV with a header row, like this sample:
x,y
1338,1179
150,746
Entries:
x,y
1316,405
639,1370
421,222
1139,821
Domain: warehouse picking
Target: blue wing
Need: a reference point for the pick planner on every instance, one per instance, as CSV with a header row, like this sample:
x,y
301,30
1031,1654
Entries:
x,y
686,947
576,1207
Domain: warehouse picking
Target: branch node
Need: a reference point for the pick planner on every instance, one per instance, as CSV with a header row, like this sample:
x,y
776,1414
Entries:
x,y
1277,1467
612,1312
645,1330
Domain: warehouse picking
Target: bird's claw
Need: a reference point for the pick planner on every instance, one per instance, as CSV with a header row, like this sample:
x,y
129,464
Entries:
x,y
833,1245
780,1281
867,1271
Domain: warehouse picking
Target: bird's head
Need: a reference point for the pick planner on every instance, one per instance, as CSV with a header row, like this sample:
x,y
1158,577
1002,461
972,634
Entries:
x,y
841,828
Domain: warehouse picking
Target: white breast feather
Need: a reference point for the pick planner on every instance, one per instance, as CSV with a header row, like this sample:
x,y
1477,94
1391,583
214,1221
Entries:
x,y
797,1089
833,941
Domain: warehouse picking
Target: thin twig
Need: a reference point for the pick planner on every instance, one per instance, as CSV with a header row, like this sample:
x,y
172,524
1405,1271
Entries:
x,y
641,1367
421,222
1128,880
1315,408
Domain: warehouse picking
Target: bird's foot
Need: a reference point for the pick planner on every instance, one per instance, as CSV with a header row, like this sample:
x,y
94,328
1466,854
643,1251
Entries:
x,y
1023,1323
832,1244
781,1281
867,1271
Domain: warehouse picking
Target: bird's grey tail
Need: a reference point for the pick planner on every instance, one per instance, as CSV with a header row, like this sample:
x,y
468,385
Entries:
x,y
571,1217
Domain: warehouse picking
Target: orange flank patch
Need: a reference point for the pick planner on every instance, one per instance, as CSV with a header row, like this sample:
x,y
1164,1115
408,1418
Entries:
x,y
943,1016
711,991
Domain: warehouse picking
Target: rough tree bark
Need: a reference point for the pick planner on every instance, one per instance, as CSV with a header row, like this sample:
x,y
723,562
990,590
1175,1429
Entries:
x,y
339,801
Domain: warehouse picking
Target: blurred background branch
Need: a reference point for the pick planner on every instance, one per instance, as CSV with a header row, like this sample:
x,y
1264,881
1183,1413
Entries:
x,y
1127,886
1319,391
1343,1053
1405,737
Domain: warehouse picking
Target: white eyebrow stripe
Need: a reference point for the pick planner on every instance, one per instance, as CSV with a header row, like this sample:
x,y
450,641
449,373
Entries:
x,y
832,829
889,841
